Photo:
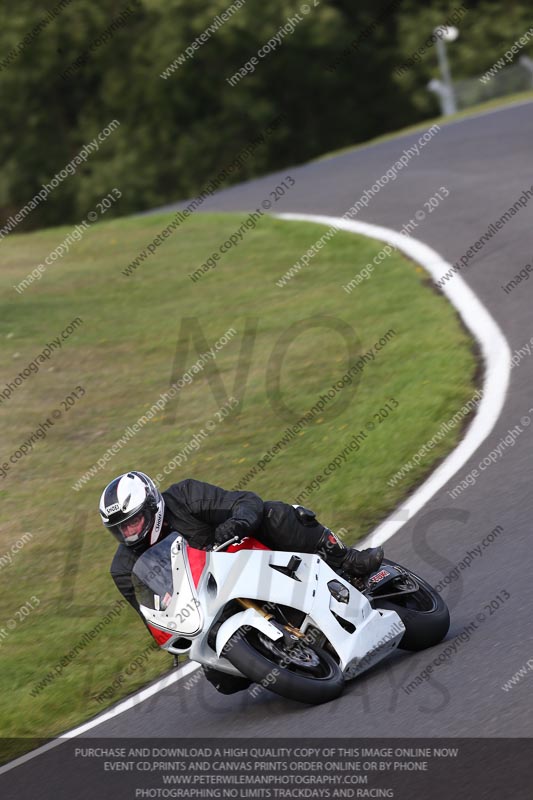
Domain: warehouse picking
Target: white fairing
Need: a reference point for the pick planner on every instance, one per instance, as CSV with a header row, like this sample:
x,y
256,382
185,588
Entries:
x,y
248,618
365,637
182,615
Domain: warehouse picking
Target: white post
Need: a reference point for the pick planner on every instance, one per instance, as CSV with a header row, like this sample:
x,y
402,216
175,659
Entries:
x,y
446,93
443,91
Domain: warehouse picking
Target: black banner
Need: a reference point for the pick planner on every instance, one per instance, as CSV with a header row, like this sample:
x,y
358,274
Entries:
x,y
135,769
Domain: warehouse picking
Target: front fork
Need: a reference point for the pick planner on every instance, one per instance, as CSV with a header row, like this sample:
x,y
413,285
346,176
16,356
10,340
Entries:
x,y
290,633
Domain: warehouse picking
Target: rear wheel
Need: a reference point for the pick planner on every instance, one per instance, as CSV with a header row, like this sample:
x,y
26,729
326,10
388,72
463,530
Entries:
x,y
299,672
422,610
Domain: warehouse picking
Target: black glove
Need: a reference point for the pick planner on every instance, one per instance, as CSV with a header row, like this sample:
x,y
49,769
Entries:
x,y
229,529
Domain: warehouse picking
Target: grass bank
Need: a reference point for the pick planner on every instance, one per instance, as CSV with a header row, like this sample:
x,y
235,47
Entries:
x,y
138,335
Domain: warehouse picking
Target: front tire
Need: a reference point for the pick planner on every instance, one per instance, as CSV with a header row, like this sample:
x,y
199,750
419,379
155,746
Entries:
x,y
424,614
309,675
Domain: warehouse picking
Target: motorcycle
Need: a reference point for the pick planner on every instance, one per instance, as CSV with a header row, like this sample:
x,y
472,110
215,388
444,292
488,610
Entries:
x,y
286,621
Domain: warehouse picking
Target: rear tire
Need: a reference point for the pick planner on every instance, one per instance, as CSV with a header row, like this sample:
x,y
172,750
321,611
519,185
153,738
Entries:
x,y
261,660
424,614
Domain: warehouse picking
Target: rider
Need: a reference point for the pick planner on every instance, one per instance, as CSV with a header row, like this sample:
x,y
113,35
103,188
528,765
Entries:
x,y
139,515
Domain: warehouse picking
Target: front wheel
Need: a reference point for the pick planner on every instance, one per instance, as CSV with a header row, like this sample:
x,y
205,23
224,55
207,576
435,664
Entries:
x,y
300,672
423,611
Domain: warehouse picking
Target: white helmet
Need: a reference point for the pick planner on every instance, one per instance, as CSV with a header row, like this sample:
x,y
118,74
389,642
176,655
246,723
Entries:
x,y
132,508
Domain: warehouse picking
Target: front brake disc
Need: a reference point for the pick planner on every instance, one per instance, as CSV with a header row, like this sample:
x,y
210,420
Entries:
x,y
300,655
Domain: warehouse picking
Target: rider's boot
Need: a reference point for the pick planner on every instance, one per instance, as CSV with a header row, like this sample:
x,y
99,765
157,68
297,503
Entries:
x,y
356,563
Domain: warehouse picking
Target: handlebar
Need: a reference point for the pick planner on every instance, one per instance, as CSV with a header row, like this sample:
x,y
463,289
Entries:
x,y
226,544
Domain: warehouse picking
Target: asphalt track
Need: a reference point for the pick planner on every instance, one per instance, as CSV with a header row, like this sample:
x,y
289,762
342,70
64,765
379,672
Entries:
x,y
485,162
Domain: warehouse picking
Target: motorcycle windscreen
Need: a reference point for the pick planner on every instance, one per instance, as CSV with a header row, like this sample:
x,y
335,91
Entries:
x,y
152,575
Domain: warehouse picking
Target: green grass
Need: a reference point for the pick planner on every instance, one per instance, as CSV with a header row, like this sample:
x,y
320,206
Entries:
x,y
123,356
497,102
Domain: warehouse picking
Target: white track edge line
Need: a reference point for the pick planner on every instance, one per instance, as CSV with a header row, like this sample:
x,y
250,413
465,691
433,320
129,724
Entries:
x,y
125,705
493,344
497,358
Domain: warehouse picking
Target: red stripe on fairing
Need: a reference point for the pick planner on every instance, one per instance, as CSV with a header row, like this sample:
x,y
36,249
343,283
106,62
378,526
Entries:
x,y
197,558
160,636
196,563
248,543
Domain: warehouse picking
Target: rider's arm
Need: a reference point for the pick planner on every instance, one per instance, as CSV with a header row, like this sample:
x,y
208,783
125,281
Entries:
x,y
213,505
121,568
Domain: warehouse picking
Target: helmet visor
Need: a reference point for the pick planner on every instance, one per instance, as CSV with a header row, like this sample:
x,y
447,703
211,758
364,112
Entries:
x,y
134,528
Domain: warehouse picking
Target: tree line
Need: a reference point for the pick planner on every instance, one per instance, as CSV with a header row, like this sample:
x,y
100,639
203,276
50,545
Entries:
x,y
330,70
